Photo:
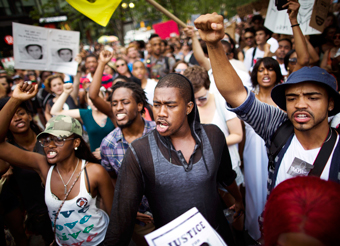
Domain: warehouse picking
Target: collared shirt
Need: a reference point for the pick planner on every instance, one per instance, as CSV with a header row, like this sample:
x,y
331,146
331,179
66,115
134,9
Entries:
x,y
112,150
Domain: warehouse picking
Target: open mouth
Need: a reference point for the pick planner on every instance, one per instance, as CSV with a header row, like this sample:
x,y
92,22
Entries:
x,y
120,116
301,117
51,154
162,126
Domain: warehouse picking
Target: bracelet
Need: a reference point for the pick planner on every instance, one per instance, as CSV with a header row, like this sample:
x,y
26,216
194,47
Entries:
x,y
295,25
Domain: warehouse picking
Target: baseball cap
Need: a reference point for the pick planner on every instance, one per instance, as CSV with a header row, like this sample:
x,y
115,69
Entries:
x,y
62,126
16,77
308,74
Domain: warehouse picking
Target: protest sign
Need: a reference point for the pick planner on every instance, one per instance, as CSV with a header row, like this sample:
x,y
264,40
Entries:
x,y
164,29
42,48
319,14
191,228
8,62
278,21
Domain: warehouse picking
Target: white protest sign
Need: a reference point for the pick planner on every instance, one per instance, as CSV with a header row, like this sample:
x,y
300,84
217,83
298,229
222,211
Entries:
x,y
191,228
278,21
42,48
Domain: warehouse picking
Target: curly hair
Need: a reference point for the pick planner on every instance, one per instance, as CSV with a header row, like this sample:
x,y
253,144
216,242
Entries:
x,y
198,76
49,79
137,92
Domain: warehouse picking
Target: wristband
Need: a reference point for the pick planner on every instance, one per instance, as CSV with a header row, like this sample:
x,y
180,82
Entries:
x,y
295,25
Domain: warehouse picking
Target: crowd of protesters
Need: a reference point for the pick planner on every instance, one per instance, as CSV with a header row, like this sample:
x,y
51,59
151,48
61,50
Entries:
x,y
143,133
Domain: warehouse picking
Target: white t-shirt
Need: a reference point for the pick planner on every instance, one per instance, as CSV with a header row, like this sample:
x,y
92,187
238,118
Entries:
x,y
150,90
248,58
295,149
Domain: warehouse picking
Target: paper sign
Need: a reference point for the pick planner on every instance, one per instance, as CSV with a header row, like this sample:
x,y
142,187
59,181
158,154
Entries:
x,y
278,21
319,14
40,48
8,62
164,29
189,229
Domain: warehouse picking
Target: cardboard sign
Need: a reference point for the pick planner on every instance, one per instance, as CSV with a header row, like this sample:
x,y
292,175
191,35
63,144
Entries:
x,y
319,14
189,229
40,48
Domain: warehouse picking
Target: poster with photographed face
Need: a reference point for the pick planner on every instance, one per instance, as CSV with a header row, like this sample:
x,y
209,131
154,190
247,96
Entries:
x,y
278,21
47,49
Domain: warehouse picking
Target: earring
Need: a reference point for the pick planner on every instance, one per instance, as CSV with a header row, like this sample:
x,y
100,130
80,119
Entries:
x,y
75,148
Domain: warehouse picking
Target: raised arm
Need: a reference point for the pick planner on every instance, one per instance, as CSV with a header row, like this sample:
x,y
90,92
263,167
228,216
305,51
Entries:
x,y
313,55
76,81
229,84
300,41
57,107
10,153
102,105
197,48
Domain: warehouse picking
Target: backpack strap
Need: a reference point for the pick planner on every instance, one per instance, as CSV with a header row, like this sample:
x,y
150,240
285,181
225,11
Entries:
x,y
279,139
167,63
252,58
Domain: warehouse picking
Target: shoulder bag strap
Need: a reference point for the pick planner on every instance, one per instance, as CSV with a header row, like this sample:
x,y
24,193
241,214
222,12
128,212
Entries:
x,y
324,154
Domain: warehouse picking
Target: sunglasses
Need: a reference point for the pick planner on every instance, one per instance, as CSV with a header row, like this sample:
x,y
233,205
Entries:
x,y
246,38
120,65
336,36
178,70
292,60
44,142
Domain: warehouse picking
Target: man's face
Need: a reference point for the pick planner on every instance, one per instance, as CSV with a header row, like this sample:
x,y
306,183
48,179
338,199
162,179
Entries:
x,y
132,53
125,107
34,51
284,48
249,39
307,106
139,70
257,24
261,37
65,55
170,111
5,84
156,46
91,64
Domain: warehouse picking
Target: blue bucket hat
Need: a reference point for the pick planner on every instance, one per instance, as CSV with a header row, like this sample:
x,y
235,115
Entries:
x,y
308,74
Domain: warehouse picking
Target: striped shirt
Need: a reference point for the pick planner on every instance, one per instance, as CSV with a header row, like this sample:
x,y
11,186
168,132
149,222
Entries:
x,y
106,80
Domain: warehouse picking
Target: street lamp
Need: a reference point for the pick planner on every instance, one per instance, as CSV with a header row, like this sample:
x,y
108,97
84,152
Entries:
x,y
124,5
131,5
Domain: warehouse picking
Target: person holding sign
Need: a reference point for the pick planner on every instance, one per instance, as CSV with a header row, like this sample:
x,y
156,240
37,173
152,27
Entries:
x,y
177,166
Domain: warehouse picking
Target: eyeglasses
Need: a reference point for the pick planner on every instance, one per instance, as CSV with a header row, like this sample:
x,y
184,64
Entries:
x,y
246,38
336,36
121,65
202,99
178,70
292,60
44,142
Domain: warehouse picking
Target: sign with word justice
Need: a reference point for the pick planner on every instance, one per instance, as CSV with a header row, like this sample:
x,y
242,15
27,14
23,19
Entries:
x,y
191,229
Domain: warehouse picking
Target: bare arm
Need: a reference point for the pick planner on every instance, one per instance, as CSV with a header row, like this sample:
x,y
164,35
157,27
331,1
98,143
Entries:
x,y
227,81
300,41
76,81
197,48
313,55
9,152
57,107
103,106
324,61
47,113
235,131
104,184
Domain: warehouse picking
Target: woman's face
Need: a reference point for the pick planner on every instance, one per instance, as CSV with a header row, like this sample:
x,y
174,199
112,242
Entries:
x,y
266,77
292,62
201,97
35,52
181,68
121,67
108,70
336,39
65,55
57,86
20,122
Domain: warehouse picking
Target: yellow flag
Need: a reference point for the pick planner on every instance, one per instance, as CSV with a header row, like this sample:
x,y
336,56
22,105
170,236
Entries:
x,y
99,11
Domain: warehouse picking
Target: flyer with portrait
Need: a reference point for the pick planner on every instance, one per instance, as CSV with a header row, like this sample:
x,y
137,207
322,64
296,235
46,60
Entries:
x,y
189,229
39,48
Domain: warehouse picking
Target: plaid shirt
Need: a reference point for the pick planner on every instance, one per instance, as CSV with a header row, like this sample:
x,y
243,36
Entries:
x,y
112,150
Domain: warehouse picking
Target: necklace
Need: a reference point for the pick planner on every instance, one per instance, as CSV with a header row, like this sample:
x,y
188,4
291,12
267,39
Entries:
x,y
65,185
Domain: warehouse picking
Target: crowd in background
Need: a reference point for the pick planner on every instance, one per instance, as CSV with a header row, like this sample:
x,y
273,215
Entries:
x,y
261,59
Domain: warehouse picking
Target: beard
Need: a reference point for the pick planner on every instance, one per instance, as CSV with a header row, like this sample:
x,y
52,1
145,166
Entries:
x,y
127,124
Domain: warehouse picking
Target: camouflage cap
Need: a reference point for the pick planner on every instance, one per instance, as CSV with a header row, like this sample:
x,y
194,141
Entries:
x,y
62,126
